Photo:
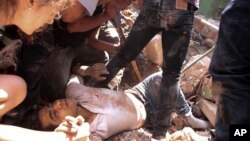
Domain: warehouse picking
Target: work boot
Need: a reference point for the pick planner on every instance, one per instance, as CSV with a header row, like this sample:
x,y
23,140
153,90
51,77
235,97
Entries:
x,y
197,123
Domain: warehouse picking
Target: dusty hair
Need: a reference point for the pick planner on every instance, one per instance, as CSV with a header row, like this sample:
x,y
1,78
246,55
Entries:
x,y
60,4
8,7
31,120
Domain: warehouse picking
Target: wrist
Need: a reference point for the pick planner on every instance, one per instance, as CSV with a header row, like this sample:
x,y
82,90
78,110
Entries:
x,y
84,70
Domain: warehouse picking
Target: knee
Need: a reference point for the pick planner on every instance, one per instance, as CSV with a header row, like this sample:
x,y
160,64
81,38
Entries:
x,y
12,92
20,89
13,88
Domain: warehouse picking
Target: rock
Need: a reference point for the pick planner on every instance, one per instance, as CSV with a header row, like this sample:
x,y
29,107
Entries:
x,y
153,50
191,78
134,135
187,134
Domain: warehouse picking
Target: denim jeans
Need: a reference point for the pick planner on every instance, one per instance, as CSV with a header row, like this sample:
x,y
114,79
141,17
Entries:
x,y
175,26
147,92
230,68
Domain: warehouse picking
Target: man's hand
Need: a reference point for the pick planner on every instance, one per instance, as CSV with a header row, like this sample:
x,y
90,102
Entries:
x,y
111,10
75,128
97,71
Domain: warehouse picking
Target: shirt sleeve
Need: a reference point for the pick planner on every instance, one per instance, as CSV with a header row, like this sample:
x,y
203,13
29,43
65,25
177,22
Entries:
x,y
90,5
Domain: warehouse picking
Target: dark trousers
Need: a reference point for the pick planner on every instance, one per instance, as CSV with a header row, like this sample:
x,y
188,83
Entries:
x,y
230,68
147,92
175,27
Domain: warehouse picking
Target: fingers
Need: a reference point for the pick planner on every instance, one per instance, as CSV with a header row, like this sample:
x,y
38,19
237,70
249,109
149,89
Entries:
x,y
73,119
66,127
84,129
80,120
75,128
70,124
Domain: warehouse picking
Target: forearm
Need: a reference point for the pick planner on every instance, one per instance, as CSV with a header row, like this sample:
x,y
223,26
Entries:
x,y
87,23
13,133
102,45
101,2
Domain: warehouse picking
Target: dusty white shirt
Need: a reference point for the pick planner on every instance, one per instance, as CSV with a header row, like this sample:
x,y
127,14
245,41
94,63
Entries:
x,y
116,111
90,5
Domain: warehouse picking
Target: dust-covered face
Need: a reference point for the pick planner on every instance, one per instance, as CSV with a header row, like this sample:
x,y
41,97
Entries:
x,y
53,114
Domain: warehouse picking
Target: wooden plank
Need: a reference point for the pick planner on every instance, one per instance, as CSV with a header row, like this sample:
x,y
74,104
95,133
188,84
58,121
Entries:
x,y
209,110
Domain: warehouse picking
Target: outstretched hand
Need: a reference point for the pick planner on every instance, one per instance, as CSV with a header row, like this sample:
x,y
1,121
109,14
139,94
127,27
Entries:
x,y
75,128
97,71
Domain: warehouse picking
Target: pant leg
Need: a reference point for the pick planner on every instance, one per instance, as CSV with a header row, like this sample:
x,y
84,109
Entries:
x,y
147,92
182,108
233,108
175,41
138,38
230,67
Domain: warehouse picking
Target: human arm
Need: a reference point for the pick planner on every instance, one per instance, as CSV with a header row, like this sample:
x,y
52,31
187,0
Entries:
x,y
96,71
94,42
14,133
101,2
87,23
77,11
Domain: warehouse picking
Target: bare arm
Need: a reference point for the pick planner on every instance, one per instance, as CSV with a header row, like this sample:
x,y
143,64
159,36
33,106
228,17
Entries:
x,y
79,132
90,22
100,2
94,42
96,71
13,133
87,23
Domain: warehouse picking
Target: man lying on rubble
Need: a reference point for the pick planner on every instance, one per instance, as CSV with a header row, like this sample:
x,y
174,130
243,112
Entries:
x,y
109,112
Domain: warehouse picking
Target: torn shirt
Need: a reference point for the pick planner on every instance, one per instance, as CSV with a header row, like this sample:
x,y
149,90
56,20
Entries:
x,y
116,111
